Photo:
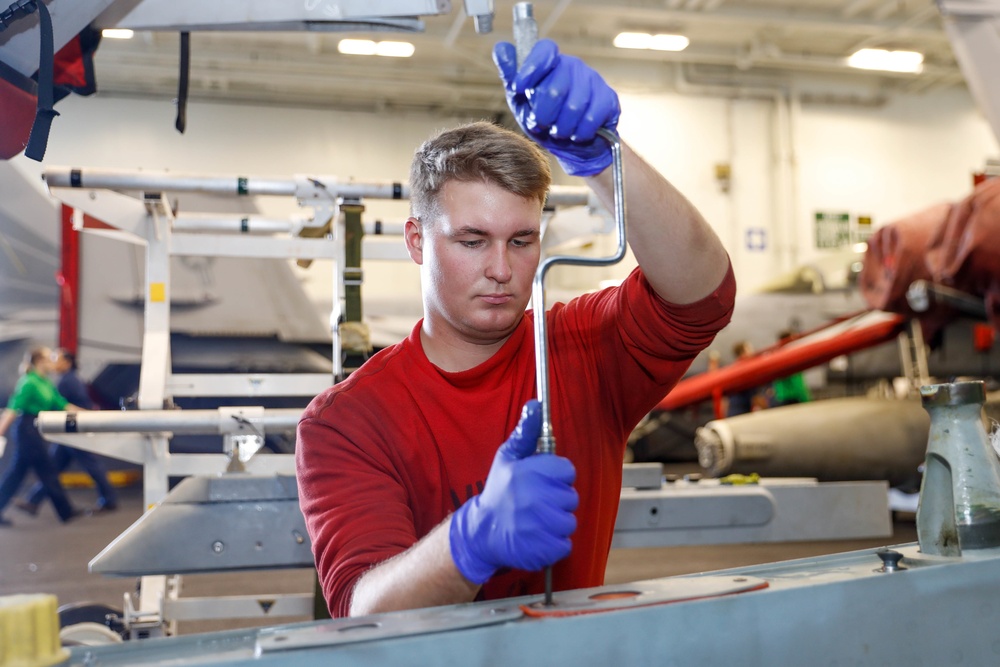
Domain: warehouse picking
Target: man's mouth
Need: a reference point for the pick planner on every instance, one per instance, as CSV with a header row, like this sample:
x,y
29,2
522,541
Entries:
x,y
496,299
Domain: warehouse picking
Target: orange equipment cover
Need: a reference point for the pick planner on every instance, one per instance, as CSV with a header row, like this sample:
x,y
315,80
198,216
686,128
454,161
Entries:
x,y
964,254
895,258
953,245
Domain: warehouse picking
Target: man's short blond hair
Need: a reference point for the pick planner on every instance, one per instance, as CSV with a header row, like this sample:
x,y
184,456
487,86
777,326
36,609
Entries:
x,y
479,151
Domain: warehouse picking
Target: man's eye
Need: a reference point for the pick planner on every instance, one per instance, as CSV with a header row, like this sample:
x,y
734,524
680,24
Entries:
x,y
520,243
472,244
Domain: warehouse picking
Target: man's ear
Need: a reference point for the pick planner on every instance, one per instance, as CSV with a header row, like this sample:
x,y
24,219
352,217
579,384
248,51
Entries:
x,y
413,235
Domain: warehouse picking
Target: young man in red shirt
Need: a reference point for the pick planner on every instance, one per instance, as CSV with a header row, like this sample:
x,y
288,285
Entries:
x,y
408,500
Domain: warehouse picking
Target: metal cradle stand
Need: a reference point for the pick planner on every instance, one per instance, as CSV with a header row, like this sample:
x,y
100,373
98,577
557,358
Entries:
x,y
144,217
134,206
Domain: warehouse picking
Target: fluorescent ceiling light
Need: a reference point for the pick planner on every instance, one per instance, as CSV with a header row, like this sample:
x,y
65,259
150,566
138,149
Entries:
x,y
394,49
888,61
633,40
117,33
367,47
643,40
357,47
669,43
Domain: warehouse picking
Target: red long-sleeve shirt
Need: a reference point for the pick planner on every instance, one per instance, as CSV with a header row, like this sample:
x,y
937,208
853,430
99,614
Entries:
x,y
388,454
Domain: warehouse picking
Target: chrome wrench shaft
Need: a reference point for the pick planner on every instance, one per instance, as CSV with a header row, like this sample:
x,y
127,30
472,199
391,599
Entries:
x,y
525,36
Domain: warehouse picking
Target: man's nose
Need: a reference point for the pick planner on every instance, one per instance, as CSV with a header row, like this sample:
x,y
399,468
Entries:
x,y
498,268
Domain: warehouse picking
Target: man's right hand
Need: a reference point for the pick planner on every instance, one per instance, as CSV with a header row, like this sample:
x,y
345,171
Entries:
x,y
524,516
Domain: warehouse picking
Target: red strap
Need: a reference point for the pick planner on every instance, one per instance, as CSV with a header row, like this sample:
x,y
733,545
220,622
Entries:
x,y
68,68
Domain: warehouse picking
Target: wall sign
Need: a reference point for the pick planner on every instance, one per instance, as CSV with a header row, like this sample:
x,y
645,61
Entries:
x,y
756,238
833,229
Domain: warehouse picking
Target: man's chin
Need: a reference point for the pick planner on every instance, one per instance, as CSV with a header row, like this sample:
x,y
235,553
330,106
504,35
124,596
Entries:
x,y
496,325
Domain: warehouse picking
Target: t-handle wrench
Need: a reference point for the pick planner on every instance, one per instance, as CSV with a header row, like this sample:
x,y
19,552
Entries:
x,y
525,36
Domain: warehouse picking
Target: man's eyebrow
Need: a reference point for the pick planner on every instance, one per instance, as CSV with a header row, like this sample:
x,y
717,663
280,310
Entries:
x,y
475,231
469,230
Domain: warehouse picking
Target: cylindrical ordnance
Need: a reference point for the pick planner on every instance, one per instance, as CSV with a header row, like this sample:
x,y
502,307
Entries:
x,y
832,440
838,439
960,492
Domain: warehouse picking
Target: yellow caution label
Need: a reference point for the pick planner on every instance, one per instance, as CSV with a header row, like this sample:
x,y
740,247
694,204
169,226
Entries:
x,y
738,480
157,292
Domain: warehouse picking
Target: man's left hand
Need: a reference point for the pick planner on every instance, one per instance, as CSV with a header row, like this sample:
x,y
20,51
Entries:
x,y
561,103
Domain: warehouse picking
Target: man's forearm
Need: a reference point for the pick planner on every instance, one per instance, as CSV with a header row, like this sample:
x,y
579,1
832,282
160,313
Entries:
x,y
422,576
679,253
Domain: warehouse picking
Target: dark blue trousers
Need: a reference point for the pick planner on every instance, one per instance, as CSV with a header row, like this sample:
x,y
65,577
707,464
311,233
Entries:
x,y
62,456
31,452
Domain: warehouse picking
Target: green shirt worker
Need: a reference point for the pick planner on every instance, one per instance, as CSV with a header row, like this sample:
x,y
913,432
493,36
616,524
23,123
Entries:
x,y
33,393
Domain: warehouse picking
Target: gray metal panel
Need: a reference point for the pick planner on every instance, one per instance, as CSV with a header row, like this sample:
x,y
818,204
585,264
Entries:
x,y
214,524
774,511
234,488
830,610
642,475
241,521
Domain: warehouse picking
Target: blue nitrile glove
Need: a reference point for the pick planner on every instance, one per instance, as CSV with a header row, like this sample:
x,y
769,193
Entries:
x,y
524,516
560,102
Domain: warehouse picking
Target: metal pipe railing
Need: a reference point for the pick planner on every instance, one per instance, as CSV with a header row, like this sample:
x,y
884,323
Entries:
x,y
163,181
226,420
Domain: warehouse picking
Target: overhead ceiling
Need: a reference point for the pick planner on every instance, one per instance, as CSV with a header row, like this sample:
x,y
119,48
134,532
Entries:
x,y
751,41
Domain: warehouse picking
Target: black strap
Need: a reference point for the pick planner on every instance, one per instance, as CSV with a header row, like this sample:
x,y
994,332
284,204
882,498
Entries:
x,y
16,10
182,83
39,137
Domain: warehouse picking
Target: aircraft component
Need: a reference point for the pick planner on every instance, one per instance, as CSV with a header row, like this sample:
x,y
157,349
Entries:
x,y
239,521
810,608
383,626
836,439
213,524
960,494
771,510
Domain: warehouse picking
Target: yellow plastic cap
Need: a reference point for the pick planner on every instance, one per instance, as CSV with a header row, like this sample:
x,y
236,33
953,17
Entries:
x,y
29,631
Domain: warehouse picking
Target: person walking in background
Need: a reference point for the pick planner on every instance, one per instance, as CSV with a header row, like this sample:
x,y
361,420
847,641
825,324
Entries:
x,y
33,393
792,389
749,400
74,390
